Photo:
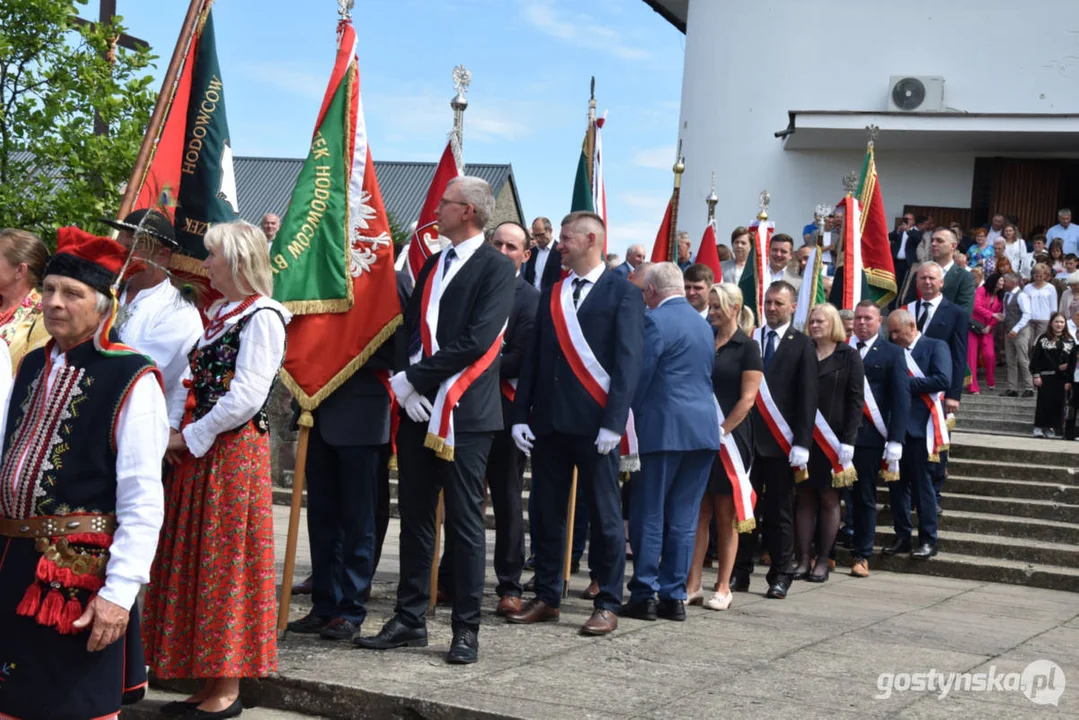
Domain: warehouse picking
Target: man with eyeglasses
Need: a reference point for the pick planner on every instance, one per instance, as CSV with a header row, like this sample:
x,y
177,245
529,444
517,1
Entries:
x,y
544,266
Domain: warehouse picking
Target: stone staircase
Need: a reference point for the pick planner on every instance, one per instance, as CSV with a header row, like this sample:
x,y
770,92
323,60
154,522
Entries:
x,y
1011,510
991,412
1011,514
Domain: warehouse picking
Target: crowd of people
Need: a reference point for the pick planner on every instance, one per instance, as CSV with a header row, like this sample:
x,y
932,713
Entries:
x,y
684,419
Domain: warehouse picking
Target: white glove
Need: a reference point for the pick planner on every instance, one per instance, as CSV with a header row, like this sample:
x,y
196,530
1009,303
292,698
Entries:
x,y
523,437
418,408
722,433
607,440
846,454
893,452
402,388
799,456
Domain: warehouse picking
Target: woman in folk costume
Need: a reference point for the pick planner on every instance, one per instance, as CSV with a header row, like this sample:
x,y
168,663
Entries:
x,y
22,263
736,379
84,432
840,397
211,607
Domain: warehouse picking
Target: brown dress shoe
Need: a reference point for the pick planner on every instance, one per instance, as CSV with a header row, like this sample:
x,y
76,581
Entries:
x,y
860,568
591,591
303,587
831,564
602,622
534,611
508,604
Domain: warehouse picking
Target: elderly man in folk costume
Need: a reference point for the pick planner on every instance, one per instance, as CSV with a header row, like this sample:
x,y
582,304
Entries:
x,y
84,432
154,318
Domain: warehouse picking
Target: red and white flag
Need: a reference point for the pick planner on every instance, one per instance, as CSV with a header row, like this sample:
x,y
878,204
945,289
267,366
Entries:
x,y
426,233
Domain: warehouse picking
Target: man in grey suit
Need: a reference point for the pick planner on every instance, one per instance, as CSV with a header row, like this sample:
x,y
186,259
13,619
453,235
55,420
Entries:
x,y
634,257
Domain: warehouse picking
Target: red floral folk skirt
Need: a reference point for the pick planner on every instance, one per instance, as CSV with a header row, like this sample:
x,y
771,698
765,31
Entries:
x,y
211,609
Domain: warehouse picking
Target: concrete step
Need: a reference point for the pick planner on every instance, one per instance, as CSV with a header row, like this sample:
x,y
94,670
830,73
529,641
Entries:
x,y
971,567
1017,549
1014,472
1025,451
988,524
996,401
1005,506
1013,489
989,412
995,425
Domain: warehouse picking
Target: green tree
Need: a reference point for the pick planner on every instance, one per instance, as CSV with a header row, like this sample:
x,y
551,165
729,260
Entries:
x,y
54,75
399,234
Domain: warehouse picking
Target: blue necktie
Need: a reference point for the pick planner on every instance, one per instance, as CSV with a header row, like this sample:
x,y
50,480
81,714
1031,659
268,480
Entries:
x,y
451,255
769,348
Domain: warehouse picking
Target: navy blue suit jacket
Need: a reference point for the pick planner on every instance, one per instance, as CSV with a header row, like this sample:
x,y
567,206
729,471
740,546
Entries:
x,y
932,357
951,323
549,396
519,331
673,408
886,371
623,270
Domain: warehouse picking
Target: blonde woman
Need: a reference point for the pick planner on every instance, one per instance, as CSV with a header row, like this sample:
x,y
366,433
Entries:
x,y
840,396
211,607
736,377
22,263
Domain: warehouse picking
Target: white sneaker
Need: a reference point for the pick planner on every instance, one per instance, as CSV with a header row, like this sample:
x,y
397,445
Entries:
x,y
1038,432
1051,434
719,601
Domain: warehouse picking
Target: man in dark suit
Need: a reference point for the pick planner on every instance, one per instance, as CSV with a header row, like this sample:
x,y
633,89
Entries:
x,y
940,319
455,319
572,403
904,241
544,266
915,477
790,372
506,464
888,404
677,438
635,255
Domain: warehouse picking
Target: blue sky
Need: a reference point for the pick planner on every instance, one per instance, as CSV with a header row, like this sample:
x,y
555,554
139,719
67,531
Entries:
x,y
530,61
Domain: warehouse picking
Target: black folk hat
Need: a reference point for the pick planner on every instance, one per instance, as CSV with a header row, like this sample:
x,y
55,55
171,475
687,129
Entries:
x,y
150,222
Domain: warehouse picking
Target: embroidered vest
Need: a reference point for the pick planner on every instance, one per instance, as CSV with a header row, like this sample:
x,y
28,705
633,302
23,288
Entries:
x,y
213,366
66,440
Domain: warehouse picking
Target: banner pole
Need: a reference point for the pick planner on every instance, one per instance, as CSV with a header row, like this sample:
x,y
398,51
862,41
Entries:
x,y
571,517
293,531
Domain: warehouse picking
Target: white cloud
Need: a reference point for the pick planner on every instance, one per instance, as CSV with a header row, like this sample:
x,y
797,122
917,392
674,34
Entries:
x,y
579,29
657,158
290,77
623,234
645,203
427,114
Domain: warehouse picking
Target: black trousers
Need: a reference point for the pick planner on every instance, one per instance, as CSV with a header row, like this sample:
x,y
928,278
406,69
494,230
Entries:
x,y
867,465
422,475
773,481
505,480
342,496
553,459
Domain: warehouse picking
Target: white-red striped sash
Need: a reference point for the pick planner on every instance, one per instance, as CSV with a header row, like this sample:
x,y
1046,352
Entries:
x,y
888,470
936,430
776,424
440,435
509,388
828,442
630,460
745,499
574,346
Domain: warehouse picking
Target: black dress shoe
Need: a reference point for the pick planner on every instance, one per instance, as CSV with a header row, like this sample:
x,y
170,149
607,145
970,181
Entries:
x,y
640,610
901,545
575,566
394,634
177,708
310,624
672,610
739,583
924,551
778,591
800,574
465,648
231,711
339,629
810,577
1009,393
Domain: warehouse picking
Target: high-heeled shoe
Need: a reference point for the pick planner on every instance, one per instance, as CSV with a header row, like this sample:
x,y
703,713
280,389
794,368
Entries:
x,y
800,574
814,578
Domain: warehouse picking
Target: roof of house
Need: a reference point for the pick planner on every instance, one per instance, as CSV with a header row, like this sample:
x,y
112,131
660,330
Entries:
x,y
265,185
673,11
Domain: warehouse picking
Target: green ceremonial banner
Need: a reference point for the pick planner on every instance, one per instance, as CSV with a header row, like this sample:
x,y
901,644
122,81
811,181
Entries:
x,y
582,188
310,254
748,285
207,192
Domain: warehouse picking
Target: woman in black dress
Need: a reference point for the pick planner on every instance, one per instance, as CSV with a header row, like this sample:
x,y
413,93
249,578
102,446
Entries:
x,y
736,377
1052,363
840,396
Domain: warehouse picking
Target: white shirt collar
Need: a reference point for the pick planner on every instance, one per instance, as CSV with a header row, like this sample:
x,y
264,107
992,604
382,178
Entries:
x,y
934,302
143,294
854,340
465,249
917,337
946,268
592,275
780,331
703,313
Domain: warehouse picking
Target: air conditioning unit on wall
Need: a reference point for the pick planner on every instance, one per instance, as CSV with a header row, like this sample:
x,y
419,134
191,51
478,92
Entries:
x,y
916,93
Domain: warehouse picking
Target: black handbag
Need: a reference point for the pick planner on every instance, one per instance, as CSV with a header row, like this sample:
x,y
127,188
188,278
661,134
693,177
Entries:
x,y
976,327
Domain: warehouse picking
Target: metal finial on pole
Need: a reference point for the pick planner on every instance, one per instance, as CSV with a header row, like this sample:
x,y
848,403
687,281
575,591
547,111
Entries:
x,y
462,78
850,182
765,199
679,168
344,9
872,131
712,200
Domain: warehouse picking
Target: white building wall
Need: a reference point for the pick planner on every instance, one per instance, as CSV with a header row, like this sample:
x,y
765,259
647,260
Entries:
x,y
748,63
